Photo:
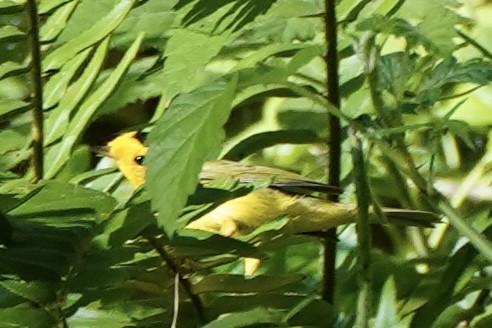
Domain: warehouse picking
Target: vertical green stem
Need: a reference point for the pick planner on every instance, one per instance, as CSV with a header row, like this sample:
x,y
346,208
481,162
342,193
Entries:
x,y
364,305
37,111
334,143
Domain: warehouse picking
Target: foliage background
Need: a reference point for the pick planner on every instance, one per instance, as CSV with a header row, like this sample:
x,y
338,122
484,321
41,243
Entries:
x,y
81,249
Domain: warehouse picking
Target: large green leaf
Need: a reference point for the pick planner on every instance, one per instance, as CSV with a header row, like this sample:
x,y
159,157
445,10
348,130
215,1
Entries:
x,y
189,132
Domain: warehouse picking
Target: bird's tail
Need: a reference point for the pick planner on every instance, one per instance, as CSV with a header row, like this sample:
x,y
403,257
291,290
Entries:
x,y
411,217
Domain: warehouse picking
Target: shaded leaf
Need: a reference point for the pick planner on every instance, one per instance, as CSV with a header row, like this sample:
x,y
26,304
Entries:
x,y
259,141
239,284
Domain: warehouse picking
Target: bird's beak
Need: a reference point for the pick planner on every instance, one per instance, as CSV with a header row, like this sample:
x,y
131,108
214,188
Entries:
x,y
101,150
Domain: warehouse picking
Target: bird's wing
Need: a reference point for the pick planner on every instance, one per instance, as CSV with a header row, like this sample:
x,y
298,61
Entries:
x,y
275,177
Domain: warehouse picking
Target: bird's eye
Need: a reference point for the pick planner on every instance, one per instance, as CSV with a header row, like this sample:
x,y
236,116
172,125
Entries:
x,y
139,159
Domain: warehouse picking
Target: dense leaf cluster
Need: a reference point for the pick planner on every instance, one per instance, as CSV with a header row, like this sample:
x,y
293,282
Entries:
x,y
241,79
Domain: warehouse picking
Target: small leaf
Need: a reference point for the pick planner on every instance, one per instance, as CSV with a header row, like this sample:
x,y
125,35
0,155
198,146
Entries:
x,y
48,5
57,21
8,7
11,33
10,68
11,107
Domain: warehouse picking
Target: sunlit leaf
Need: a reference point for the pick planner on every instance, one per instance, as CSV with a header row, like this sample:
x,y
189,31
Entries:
x,y
96,33
189,132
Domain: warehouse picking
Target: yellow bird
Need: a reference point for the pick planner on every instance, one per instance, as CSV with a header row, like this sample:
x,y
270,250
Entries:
x,y
242,214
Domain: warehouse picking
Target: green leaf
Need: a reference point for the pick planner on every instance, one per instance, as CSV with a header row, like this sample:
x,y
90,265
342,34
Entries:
x,y
450,71
154,17
90,317
36,292
256,316
46,6
58,120
26,315
8,7
95,34
386,316
197,243
259,141
237,15
56,196
9,107
266,52
239,284
57,21
10,68
442,296
187,54
11,33
89,107
134,86
188,133
56,87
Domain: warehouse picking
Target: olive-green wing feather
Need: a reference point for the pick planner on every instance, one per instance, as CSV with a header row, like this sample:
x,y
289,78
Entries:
x,y
276,178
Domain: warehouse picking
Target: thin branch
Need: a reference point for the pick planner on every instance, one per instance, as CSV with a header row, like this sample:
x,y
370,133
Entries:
x,y
174,324
334,143
185,283
37,111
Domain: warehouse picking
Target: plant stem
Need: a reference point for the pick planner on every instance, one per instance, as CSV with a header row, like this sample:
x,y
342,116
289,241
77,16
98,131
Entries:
x,y
185,283
334,144
363,228
37,111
